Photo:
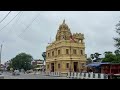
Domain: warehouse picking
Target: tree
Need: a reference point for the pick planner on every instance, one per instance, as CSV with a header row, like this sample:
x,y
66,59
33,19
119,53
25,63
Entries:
x,y
10,66
117,52
117,39
110,57
95,57
44,55
89,60
92,56
22,61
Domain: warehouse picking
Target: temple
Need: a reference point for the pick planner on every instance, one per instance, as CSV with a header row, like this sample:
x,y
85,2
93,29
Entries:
x,y
67,52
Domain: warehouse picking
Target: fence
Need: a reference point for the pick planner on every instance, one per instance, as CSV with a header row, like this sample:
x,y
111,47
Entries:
x,y
57,74
75,75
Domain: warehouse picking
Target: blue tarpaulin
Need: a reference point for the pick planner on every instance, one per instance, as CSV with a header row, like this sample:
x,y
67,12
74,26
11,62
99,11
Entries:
x,y
95,64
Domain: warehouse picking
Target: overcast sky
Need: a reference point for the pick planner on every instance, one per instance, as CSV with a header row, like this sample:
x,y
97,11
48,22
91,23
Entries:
x,y
98,28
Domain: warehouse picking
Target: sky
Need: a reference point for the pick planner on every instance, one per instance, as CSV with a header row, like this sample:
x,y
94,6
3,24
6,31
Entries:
x,y
31,31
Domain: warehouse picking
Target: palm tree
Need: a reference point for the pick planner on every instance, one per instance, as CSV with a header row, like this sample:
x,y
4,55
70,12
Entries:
x,y
44,56
92,56
117,52
89,60
96,55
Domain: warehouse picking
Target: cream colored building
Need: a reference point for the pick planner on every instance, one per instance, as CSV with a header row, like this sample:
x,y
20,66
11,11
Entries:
x,y
67,52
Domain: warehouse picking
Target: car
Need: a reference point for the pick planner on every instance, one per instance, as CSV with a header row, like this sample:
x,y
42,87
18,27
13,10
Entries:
x,y
16,72
1,76
29,71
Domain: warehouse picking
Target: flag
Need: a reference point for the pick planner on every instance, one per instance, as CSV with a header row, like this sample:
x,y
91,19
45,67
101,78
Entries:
x,y
72,39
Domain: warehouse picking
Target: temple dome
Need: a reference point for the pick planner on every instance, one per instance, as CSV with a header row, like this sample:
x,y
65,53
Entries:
x,y
63,25
63,32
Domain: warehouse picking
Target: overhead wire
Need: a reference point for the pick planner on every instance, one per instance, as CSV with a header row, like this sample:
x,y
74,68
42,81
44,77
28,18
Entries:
x,y
29,25
25,25
10,21
5,17
15,23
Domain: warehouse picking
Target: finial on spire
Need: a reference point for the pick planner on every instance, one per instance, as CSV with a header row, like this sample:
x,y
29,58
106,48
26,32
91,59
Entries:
x,y
64,21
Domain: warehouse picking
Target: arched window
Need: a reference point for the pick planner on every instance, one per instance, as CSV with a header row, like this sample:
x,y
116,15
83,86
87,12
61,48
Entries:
x,y
48,54
58,52
58,65
52,53
67,51
67,65
74,51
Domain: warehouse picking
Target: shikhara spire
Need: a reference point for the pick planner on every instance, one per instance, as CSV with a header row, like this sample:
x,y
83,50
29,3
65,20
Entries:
x,y
63,32
64,21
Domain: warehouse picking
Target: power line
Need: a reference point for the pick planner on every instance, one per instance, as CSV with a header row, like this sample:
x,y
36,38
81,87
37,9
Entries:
x,y
10,21
16,22
5,16
13,26
29,25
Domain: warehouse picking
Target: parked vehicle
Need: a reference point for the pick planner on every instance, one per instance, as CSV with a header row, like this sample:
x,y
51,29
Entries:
x,y
29,71
16,72
1,76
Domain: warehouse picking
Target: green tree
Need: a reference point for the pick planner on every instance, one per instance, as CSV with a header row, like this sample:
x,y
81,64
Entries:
x,y
117,52
92,56
44,55
10,66
89,60
117,39
95,57
22,61
110,57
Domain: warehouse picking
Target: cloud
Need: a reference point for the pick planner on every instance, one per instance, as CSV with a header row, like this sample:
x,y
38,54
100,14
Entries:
x,y
98,28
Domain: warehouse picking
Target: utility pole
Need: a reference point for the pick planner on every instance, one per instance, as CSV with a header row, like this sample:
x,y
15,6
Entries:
x,y
0,55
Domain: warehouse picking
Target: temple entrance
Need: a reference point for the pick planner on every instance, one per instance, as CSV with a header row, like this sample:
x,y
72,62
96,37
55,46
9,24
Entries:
x,y
52,67
75,66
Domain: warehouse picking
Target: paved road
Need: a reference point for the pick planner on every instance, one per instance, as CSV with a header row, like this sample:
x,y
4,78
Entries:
x,y
8,75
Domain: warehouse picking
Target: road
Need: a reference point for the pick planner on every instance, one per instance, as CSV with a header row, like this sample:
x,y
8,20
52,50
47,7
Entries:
x,y
8,75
